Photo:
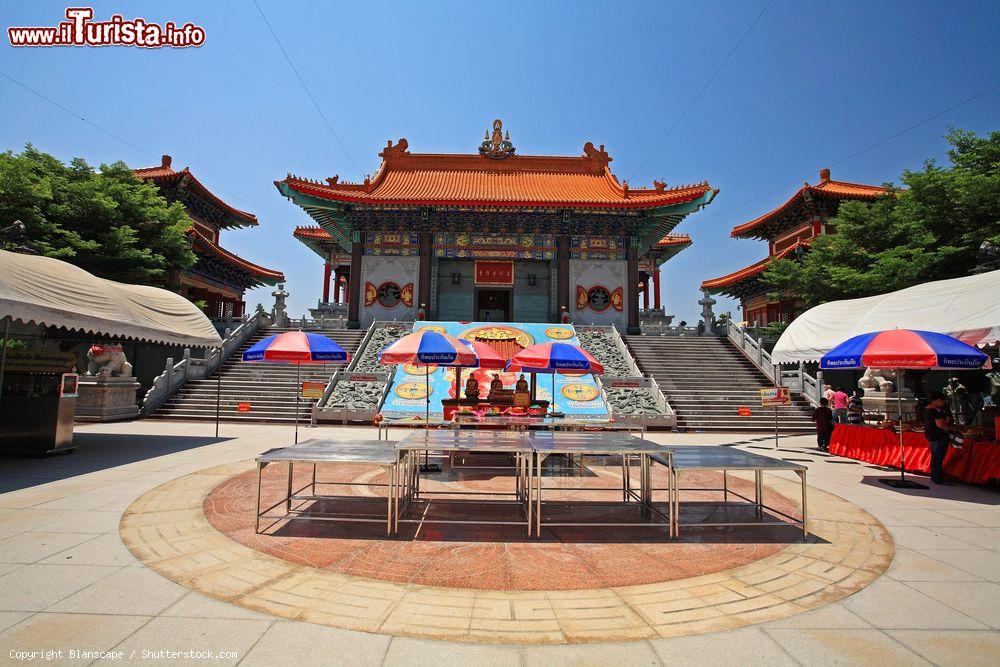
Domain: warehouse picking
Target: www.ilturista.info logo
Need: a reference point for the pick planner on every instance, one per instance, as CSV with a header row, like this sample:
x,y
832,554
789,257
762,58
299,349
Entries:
x,y
80,30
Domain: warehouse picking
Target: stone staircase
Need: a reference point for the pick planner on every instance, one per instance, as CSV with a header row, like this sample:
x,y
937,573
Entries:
x,y
268,388
706,379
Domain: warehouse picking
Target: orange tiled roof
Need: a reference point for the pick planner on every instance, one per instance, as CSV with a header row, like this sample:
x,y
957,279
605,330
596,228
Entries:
x,y
673,240
825,188
165,174
312,232
426,179
205,244
753,270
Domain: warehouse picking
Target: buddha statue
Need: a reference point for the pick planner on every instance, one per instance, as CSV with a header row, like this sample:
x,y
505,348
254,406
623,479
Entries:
x,y
496,386
522,384
472,388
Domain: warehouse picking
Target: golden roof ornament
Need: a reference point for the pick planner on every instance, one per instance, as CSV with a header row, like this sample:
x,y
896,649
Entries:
x,y
497,145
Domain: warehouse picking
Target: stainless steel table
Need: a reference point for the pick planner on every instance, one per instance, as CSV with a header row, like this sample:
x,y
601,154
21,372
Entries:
x,y
318,451
513,424
583,444
453,442
725,459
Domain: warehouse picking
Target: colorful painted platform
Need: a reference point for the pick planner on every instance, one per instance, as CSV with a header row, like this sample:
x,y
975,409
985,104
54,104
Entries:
x,y
576,395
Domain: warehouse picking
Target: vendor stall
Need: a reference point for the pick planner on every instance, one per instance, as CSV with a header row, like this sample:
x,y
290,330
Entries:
x,y
51,293
976,462
965,308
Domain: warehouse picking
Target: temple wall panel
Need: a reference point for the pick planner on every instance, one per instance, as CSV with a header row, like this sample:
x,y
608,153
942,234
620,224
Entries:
x,y
597,292
532,303
455,301
388,288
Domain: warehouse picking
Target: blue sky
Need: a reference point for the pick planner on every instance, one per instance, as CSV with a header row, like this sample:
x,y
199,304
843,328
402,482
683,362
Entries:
x,y
811,84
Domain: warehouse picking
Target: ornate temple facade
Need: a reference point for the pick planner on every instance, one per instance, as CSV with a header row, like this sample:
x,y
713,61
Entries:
x,y
493,236
788,230
219,278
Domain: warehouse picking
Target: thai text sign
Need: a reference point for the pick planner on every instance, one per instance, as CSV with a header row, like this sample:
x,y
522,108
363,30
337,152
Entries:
x,y
39,361
774,396
242,407
744,411
494,272
313,389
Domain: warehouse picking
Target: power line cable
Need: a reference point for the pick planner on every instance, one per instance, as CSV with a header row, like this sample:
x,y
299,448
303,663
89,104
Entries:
x,y
855,154
128,143
302,82
76,115
700,92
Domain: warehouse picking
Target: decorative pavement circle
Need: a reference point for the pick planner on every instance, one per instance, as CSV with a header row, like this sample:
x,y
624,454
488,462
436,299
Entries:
x,y
491,584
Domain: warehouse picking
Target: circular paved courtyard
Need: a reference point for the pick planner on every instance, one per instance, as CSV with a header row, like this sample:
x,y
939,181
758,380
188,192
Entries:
x,y
491,583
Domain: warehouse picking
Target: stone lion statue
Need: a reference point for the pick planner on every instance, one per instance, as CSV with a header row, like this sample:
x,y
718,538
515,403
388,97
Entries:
x,y
107,360
877,380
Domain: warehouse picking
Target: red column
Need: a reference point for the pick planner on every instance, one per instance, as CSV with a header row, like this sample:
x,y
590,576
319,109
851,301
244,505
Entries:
x,y
326,281
645,293
656,288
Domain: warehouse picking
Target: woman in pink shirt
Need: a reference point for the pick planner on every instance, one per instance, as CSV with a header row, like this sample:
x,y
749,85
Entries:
x,y
840,406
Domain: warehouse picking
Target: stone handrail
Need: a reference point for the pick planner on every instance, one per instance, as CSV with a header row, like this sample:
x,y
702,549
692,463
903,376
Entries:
x,y
318,324
662,403
796,379
174,375
327,407
662,328
350,367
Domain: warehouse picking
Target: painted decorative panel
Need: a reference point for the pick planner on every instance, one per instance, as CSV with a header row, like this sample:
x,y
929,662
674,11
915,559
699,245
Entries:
x,y
597,247
597,292
389,288
495,246
392,244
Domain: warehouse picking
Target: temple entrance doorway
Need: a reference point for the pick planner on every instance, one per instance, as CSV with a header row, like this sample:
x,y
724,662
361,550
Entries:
x,y
493,305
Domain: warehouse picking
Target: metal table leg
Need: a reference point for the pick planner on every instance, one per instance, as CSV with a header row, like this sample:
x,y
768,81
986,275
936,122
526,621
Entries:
x,y
538,494
677,503
759,492
805,511
257,519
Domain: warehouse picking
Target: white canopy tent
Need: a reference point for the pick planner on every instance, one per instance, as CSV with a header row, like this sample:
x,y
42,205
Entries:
x,y
50,292
966,308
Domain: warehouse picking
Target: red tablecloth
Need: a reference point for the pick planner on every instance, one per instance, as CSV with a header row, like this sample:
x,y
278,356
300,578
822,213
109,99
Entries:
x,y
977,462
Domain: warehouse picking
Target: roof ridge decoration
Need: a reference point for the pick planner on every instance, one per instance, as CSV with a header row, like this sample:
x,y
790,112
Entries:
x,y
827,187
497,146
598,157
165,173
260,272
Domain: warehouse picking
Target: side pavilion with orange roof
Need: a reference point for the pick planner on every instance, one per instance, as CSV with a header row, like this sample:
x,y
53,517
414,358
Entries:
x,y
220,278
788,230
493,235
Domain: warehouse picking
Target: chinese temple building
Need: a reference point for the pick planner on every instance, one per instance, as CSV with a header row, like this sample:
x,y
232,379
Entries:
x,y
493,236
788,230
219,278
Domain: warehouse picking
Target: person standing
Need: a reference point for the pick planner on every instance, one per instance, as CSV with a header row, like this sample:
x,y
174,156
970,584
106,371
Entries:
x,y
856,408
937,425
839,401
823,417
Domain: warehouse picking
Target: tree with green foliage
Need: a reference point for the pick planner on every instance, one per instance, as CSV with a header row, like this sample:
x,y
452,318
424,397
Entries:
x,y
104,220
931,229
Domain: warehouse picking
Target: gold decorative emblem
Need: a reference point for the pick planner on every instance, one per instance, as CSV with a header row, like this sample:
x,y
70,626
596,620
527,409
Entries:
x,y
558,333
498,334
498,144
417,369
577,391
413,390
431,327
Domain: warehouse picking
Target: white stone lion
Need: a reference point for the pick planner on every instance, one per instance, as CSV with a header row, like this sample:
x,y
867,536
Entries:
x,y
107,360
877,380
